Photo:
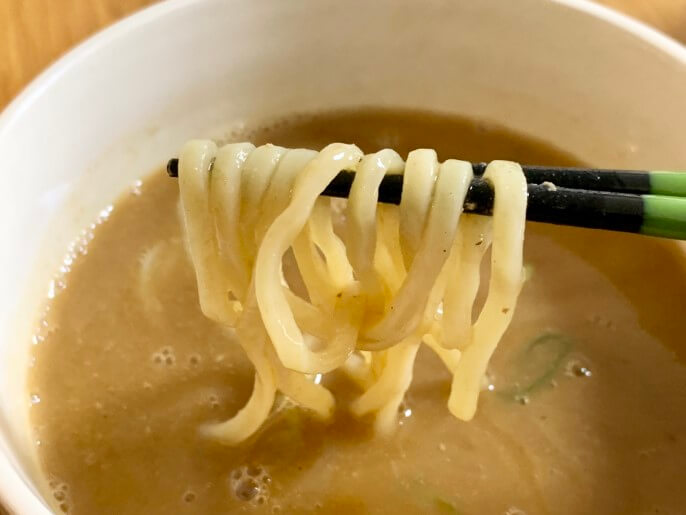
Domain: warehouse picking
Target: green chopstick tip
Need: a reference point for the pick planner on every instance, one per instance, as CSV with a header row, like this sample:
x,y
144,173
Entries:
x,y
664,216
668,183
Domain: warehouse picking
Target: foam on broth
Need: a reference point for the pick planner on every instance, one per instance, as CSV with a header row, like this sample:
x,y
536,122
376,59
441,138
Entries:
x,y
584,409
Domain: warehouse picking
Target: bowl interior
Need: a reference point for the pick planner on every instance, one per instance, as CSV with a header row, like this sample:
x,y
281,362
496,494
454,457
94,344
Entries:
x,y
578,76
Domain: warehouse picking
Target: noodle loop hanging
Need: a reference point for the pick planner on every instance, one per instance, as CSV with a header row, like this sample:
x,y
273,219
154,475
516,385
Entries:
x,y
366,289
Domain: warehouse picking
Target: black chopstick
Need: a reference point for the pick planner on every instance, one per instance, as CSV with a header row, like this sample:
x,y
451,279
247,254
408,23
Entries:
x,y
640,182
647,202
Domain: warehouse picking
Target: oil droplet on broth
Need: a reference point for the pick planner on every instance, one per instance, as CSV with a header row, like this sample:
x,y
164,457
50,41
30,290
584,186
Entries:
x,y
60,492
576,368
250,483
189,496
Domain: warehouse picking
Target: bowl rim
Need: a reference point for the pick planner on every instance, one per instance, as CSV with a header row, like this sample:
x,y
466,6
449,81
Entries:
x,y
17,496
137,19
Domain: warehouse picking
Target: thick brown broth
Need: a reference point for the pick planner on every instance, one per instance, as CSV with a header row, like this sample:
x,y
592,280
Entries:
x,y
593,421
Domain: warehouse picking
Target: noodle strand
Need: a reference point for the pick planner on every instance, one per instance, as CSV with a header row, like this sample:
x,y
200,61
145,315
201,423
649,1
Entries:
x,y
306,296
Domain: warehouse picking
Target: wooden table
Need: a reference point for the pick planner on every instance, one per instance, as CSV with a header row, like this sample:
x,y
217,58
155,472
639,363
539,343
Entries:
x,y
33,33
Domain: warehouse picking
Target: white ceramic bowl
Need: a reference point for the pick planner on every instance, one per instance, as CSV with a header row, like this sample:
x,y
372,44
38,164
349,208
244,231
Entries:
x,y
580,76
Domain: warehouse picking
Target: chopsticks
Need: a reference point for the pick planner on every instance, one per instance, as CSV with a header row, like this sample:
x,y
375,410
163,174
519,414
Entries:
x,y
645,202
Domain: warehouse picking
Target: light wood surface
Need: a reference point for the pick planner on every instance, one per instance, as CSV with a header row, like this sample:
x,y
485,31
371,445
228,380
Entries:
x,y
33,33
